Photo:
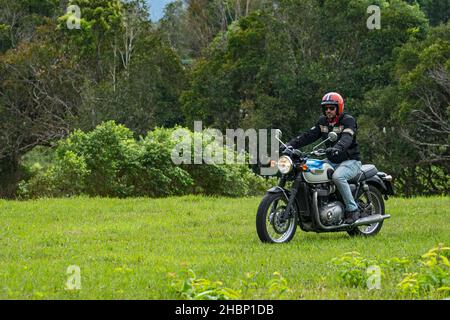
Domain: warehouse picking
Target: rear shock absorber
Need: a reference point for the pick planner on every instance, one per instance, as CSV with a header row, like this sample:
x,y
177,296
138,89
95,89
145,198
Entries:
x,y
369,205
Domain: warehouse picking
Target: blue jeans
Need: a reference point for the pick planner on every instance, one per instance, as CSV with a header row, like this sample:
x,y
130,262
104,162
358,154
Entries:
x,y
343,172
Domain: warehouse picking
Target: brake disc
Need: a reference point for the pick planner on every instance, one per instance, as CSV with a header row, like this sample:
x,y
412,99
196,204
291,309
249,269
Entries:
x,y
278,226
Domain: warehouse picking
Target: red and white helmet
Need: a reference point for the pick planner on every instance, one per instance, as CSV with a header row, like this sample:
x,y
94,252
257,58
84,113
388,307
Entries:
x,y
333,98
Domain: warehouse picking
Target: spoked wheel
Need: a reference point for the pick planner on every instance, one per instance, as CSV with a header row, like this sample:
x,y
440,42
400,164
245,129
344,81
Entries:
x,y
270,224
376,206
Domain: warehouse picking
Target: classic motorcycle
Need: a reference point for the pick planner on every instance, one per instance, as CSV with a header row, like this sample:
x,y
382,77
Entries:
x,y
313,201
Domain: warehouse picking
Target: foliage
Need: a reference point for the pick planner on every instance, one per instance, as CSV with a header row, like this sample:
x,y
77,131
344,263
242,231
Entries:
x,y
414,279
190,26
55,79
111,155
433,274
190,287
144,96
160,176
352,269
38,101
406,126
108,161
248,64
66,178
19,20
100,20
438,11
278,286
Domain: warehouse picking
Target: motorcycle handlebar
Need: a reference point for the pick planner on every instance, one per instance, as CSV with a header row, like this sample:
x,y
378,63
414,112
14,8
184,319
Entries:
x,y
300,154
318,153
291,151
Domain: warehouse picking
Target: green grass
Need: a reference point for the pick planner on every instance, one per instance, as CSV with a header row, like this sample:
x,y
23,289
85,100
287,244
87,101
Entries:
x,y
126,248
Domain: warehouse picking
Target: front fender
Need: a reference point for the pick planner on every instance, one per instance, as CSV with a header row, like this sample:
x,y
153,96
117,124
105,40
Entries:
x,y
278,189
286,193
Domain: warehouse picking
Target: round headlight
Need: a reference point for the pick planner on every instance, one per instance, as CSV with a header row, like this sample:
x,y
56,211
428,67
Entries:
x,y
285,164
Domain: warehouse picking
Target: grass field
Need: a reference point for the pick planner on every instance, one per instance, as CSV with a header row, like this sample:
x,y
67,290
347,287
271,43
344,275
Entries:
x,y
125,249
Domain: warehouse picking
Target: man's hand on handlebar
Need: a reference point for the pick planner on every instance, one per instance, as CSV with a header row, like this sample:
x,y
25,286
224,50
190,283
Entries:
x,y
289,150
333,152
286,148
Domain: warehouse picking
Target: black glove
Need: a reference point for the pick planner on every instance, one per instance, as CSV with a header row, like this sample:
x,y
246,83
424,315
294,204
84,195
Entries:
x,y
283,148
333,153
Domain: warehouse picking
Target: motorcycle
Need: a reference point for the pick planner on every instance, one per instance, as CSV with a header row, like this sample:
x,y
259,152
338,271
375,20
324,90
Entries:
x,y
313,201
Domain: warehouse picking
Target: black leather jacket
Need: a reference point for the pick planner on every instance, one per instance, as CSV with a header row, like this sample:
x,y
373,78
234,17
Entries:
x,y
345,128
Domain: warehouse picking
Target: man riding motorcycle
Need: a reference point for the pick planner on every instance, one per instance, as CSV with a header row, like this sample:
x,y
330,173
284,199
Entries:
x,y
343,154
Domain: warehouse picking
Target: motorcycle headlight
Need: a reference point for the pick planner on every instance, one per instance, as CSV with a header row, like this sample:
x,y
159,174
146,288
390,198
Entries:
x,y
285,164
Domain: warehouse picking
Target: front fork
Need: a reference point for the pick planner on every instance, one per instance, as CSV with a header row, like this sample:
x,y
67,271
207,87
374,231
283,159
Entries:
x,y
287,214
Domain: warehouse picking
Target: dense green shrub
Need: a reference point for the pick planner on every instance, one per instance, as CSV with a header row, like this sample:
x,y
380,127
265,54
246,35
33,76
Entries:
x,y
108,161
159,176
111,155
66,176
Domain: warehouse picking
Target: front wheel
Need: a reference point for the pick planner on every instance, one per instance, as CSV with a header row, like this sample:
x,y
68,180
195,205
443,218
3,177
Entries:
x,y
270,224
375,206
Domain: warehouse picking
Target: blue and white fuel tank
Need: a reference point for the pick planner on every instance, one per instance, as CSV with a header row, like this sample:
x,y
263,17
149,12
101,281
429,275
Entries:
x,y
317,171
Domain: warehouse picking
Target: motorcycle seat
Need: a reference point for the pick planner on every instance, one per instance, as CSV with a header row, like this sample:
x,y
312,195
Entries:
x,y
367,171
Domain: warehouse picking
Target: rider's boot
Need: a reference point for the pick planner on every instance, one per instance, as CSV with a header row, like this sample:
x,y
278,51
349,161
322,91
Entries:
x,y
351,216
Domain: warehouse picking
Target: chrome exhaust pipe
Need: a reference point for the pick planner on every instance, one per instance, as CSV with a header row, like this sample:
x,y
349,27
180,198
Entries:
x,y
371,219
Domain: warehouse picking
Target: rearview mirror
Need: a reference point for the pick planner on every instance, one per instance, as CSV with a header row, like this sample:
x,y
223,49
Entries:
x,y
332,136
278,133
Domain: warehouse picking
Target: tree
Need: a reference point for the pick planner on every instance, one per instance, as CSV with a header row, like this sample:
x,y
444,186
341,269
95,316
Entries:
x,y
410,118
39,96
114,67
190,25
145,95
19,19
100,21
438,11
172,27
273,66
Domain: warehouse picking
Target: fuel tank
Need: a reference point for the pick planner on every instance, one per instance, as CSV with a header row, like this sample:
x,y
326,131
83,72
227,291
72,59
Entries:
x,y
317,171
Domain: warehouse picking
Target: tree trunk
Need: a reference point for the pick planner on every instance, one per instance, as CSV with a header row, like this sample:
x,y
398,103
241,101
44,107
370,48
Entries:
x,y
10,175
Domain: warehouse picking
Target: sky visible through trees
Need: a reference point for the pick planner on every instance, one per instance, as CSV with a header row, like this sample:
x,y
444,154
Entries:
x,y
157,8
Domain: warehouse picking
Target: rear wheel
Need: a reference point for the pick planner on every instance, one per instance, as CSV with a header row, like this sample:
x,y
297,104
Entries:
x,y
270,224
375,206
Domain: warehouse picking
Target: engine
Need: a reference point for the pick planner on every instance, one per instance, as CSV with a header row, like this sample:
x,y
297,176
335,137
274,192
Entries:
x,y
331,213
